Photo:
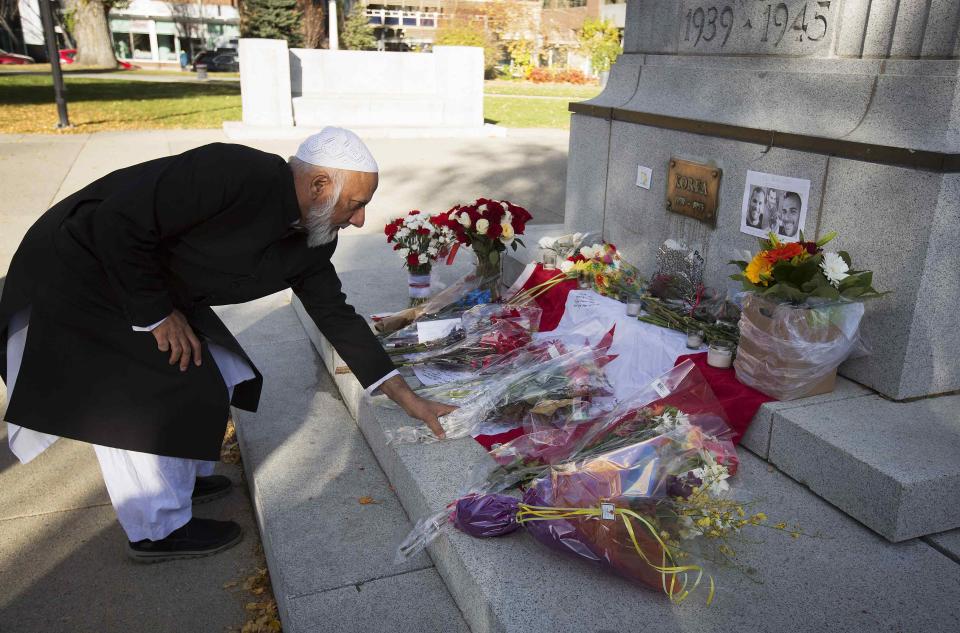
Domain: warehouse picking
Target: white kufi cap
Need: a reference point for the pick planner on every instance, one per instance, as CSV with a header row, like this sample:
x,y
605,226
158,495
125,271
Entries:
x,y
337,148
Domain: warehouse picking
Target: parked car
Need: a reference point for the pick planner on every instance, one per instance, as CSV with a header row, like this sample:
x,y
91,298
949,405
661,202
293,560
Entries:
x,y
67,56
14,58
220,60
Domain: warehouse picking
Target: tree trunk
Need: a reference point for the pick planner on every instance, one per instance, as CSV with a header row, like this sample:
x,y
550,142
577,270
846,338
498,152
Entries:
x,y
314,27
94,44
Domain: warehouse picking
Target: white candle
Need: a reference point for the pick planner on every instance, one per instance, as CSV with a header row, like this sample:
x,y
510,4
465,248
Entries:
x,y
633,308
720,356
694,339
549,260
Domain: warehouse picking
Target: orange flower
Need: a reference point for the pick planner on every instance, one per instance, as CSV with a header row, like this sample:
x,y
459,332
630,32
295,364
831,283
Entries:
x,y
784,252
758,270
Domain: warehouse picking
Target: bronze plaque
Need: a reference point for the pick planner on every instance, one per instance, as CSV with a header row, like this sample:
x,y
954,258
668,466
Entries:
x,y
693,190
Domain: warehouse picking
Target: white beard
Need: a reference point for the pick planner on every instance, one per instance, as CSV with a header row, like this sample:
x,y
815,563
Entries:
x,y
319,224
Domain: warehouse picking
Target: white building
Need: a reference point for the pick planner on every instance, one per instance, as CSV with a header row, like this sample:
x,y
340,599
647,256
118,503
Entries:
x,y
152,33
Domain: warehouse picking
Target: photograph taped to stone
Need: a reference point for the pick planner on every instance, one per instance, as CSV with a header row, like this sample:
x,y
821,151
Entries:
x,y
773,203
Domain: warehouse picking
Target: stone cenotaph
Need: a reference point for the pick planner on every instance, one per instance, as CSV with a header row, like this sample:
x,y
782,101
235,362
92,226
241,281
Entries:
x,y
858,101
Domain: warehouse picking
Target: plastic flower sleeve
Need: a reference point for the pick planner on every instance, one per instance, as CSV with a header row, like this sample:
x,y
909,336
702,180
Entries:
x,y
501,402
621,509
788,351
679,397
472,348
530,456
444,300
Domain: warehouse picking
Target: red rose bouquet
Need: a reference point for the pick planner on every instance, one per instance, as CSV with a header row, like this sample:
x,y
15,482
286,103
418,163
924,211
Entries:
x,y
488,227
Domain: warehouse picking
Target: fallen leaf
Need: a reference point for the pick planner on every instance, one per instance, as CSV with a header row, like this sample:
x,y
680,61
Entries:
x,y
228,585
365,501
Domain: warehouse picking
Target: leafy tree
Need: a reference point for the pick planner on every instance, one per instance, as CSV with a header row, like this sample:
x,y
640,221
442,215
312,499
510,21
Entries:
x,y
273,19
521,54
600,41
90,29
357,33
469,33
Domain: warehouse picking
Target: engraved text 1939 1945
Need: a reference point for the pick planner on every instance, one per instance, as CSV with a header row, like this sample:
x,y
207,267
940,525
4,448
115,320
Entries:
x,y
749,26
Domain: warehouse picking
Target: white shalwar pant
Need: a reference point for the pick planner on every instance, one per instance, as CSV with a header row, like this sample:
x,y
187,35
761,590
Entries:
x,y
152,494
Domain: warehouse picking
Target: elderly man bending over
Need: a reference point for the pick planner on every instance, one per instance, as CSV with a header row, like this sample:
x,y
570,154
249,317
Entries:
x,y
107,335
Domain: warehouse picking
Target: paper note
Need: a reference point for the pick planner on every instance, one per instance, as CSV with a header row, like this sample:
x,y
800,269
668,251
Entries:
x,y
431,375
432,330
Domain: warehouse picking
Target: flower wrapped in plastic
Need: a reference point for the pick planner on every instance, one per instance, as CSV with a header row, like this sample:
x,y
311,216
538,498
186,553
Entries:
x,y
485,333
444,303
634,510
680,397
802,317
541,378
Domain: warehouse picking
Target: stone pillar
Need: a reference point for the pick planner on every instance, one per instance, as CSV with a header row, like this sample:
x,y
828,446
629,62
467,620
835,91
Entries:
x,y
265,82
860,98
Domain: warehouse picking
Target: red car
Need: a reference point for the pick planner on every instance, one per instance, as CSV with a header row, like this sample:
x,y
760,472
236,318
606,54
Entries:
x,y
13,58
67,55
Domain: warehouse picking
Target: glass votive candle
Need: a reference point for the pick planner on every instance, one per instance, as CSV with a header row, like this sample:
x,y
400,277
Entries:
x,y
633,307
720,354
694,339
583,281
549,260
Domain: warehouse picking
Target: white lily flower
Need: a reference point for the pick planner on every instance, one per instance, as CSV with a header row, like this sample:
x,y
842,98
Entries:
x,y
547,242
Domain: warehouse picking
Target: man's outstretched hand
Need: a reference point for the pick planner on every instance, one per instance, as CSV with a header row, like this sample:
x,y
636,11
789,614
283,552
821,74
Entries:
x,y
176,336
427,411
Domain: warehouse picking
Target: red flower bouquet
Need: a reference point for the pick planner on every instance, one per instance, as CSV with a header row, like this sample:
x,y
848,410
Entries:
x,y
488,227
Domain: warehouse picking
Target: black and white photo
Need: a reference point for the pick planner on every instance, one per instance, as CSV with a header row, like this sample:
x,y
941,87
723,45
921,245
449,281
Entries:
x,y
774,204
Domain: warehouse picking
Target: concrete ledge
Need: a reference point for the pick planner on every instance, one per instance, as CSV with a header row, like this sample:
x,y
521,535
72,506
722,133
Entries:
x,y
757,437
892,466
331,558
511,584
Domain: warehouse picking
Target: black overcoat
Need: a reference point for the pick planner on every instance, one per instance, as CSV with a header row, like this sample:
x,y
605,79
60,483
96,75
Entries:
x,y
211,226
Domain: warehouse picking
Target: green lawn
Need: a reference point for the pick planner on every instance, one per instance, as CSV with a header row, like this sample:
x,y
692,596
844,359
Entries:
x,y
27,107
513,112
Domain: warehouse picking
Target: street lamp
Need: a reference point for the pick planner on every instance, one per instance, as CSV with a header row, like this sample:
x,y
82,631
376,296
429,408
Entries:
x,y
46,17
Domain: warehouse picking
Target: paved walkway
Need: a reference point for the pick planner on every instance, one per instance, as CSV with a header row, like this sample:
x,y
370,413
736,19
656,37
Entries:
x,y
62,566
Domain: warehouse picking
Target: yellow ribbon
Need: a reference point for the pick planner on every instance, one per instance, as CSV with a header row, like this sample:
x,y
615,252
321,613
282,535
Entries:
x,y
527,513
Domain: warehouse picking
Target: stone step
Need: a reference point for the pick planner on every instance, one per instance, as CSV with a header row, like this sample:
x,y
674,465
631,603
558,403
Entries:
x,y
511,584
893,466
330,557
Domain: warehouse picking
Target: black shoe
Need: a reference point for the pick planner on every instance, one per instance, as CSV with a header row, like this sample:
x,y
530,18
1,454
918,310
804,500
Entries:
x,y
198,538
210,488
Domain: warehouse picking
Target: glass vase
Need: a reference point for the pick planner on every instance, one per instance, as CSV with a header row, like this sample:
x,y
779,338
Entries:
x,y
488,265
